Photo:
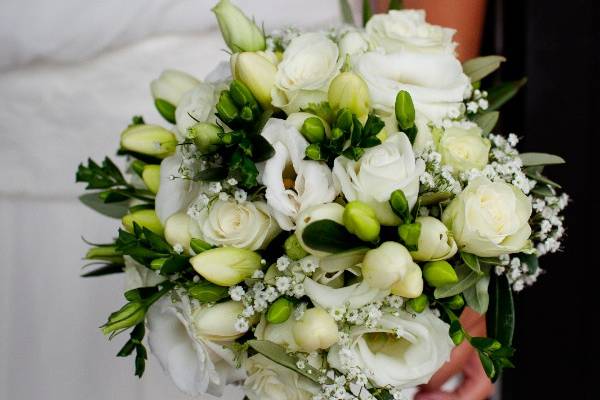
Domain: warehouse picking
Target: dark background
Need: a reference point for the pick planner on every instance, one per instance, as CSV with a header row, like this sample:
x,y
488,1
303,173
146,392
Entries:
x,y
556,45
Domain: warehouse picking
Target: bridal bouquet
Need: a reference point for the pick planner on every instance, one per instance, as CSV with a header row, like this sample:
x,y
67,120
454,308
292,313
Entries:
x,y
320,210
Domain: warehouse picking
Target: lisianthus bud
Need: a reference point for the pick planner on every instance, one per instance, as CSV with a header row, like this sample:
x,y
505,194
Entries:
x,y
144,218
348,90
456,302
152,140
239,32
205,136
390,266
313,130
151,177
128,316
280,311
297,120
439,273
360,219
405,110
256,72
226,266
315,330
217,322
410,233
177,231
332,211
435,242
293,248
168,89
418,304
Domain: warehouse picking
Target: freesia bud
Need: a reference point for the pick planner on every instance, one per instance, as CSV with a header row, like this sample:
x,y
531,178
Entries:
x,y
434,241
280,311
128,316
439,273
348,90
293,248
456,302
313,152
151,177
226,108
177,231
400,206
206,136
151,140
313,130
419,304
144,218
405,110
315,330
410,233
239,32
390,266
257,73
360,220
226,266
168,89
332,211
217,322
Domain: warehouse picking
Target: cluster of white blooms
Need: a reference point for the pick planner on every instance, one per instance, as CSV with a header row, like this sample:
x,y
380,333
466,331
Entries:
x,y
437,177
519,274
548,223
343,387
281,38
477,102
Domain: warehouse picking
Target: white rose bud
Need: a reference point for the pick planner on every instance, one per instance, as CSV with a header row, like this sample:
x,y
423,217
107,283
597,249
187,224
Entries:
x,y
390,266
226,266
257,73
435,242
168,89
464,149
177,231
489,219
239,32
332,211
217,322
315,330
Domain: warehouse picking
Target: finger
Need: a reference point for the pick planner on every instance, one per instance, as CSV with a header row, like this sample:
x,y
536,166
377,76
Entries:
x,y
476,384
470,318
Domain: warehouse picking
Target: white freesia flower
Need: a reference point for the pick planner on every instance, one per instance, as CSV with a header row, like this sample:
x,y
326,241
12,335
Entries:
x,y
195,364
196,105
408,30
489,218
353,296
309,64
172,85
436,82
353,42
270,381
293,184
229,223
138,275
174,194
382,169
403,351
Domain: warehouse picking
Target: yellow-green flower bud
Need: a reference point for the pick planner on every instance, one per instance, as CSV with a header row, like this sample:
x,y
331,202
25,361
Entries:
x,y
313,152
293,248
280,311
144,218
315,330
151,177
168,89
257,73
348,90
152,140
177,231
226,108
456,302
206,136
439,273
206,292
313,130
157,263
419,304
226,266
405,110
239,32
128,316
400,205
360,219
409,233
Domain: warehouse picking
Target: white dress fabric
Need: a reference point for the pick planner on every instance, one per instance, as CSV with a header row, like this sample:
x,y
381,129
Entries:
x,y
72,74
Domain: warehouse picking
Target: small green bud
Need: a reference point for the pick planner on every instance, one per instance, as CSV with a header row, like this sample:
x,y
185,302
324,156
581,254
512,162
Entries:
x,y
361,220
344,120
400,205
128,316
313,129
207,292
313,152
226,108
348,90
157,263
409,233
419,304
206,136
293,248
199,246
138,167
405,110
280,311
439,273
457,302
145,218
151,140
151,177
336,134
241,95
457,337
247,114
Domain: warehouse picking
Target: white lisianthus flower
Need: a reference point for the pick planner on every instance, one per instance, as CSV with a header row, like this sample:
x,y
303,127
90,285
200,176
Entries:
x,y
353,296
403,351
196,105
246,225
384,168
196,364
407,30
138,275
435,242
174,194
270,381
293,184
464,149
489,218
309,64
436,82
353,42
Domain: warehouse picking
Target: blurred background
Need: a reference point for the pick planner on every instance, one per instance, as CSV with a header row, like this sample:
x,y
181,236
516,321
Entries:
x,y
73,73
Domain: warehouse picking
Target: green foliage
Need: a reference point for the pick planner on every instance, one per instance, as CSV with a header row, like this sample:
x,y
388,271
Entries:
x,y
367,11
328,235
478,68
486,121
500,94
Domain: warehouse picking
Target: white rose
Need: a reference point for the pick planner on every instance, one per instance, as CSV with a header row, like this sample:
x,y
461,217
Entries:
x,y
270,381
196,105
436,82
464,149
196,364
309,64
353,42
245,225
384,168
422,347
408,30
435,242
173,195
293,184
489,219
138,275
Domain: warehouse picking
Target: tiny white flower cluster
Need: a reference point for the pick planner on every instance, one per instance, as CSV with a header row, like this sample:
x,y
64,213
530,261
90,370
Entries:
x,y
477,102
548,223
281,38
437,177
519,274
341,387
